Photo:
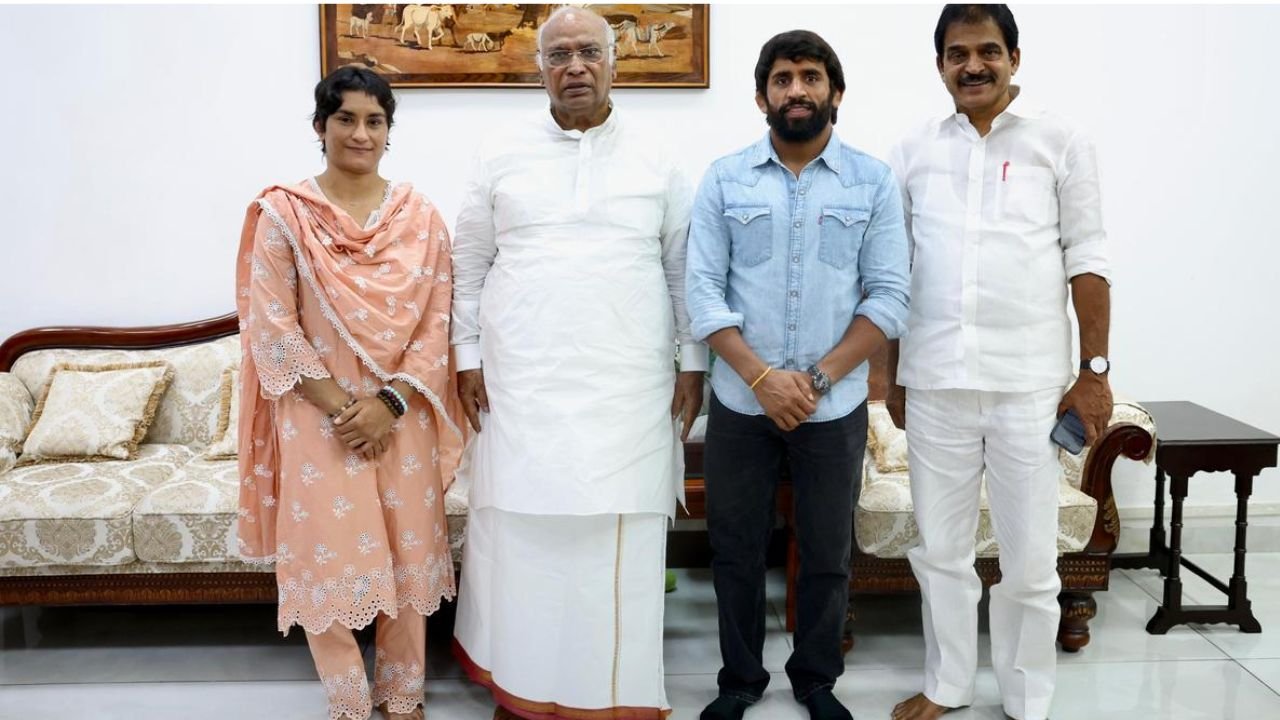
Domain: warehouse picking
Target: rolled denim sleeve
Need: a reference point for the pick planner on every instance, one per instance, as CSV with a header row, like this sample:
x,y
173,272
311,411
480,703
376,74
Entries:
x,y
883,262
707,268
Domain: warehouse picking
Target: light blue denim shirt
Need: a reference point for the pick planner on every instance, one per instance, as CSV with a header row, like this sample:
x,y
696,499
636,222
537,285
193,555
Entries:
x,y
790,261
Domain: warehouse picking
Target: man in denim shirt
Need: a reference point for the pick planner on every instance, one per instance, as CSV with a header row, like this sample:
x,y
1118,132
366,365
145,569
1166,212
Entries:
x,y
797,272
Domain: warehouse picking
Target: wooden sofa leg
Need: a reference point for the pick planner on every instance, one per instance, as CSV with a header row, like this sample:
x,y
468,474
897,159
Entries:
x,y
846,640
1078,608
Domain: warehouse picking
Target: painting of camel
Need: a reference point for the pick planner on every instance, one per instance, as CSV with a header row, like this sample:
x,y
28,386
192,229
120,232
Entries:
x,y
494,45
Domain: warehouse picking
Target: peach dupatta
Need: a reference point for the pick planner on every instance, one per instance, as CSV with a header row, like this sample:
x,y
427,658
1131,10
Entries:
x,y
383,292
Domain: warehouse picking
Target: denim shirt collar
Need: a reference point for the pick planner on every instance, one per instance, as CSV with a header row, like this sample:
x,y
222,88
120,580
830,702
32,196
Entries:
x,y
763,151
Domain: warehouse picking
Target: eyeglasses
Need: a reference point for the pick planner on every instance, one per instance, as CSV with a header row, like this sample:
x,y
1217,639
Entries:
x,y
560,58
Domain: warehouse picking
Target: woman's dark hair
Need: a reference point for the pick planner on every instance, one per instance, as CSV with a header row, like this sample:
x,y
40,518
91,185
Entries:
x,y
351,78
797,45
1001,15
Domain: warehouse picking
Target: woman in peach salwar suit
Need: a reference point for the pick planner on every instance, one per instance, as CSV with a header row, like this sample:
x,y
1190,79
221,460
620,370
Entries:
x,y
349,428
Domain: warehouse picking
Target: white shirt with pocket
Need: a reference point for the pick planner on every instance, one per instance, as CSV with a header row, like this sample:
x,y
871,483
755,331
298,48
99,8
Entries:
x,y
997,227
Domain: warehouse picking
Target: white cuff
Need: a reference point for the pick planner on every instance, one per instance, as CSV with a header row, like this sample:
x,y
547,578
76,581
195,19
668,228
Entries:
x,y
693,357
466,357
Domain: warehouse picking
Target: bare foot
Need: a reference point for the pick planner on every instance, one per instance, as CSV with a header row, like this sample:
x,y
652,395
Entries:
x,y
919,707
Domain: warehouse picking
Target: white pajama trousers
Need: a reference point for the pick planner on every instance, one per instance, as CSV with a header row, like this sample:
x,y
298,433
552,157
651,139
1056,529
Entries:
x,y
952,437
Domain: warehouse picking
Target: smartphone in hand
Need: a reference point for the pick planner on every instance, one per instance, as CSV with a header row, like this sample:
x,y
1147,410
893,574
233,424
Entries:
x,y
1069,432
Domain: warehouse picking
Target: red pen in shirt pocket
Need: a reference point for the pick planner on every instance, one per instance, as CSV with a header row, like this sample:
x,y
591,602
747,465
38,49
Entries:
x,y
1004,171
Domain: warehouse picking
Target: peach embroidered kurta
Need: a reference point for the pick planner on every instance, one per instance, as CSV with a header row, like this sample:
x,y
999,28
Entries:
x,y
319,297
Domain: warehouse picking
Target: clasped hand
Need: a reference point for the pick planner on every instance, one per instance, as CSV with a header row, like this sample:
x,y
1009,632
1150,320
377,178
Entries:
x,y
366,426
787,397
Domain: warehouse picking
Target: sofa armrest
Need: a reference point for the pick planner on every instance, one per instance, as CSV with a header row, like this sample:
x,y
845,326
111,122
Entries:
x,y
16,405
1121,439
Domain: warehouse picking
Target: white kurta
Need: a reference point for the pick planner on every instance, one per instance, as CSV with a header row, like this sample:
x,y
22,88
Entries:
x,y
569,292
569,260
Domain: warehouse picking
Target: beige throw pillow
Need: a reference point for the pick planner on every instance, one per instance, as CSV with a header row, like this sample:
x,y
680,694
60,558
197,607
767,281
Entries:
x,y
95,412
225,442
885,441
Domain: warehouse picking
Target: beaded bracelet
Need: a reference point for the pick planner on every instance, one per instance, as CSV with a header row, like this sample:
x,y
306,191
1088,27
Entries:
x,y
404,406
391,404
393,401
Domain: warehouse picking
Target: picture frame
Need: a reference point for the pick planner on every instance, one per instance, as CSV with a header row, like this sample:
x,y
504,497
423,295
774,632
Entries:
x,y
494,45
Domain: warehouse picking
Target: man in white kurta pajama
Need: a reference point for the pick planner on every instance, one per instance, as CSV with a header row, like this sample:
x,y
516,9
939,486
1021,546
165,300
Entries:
x,y
1003,212
569,262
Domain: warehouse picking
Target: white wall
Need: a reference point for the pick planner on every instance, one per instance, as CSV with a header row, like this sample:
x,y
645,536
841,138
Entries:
x,y
135,137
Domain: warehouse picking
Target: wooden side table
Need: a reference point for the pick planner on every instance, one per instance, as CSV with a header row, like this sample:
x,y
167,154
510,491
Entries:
x,y
1191,439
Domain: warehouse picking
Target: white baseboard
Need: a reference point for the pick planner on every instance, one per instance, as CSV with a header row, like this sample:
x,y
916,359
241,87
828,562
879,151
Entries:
x,y
1205,528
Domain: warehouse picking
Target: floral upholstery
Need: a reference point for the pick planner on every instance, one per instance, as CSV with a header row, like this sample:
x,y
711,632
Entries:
x,y
884,525
188,412
79,513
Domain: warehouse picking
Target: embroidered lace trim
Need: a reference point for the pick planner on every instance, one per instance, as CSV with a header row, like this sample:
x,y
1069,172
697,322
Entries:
x,y
281,363
356,599
397,685
327,310
348,695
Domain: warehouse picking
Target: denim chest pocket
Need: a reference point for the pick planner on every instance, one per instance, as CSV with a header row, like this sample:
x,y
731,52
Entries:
x,y
750,234
841,237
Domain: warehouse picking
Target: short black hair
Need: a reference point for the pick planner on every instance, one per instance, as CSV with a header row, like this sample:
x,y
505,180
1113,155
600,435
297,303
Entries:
x,y
349,78
796,45
1001,15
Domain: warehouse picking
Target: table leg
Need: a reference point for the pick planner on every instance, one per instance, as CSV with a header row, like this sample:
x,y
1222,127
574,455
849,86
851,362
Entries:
x,y
1157,549
1238,603
1170,611
1157,555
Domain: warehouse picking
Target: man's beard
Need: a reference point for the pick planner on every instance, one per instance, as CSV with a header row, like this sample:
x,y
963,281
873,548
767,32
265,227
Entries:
x,y
799,129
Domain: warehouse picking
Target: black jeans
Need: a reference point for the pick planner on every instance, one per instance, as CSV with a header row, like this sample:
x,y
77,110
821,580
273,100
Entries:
x,y
743,463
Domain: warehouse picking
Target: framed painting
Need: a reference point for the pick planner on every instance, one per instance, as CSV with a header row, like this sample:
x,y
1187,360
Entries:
x,y
483,45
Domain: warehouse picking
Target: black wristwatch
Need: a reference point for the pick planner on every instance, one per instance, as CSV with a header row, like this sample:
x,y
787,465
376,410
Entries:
x,y
821,383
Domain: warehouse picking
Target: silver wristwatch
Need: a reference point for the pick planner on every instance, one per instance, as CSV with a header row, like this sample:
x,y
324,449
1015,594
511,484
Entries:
x,y
1097,365
821,383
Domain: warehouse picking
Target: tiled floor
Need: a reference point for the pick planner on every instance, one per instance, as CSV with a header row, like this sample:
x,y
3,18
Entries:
x,y
226,662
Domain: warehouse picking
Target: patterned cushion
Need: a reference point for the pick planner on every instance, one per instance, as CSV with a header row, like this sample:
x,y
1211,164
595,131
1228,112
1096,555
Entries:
x,y
457,504
226,442
191,518
95,411
16,405
188,413
79,513
135,568
886,444
885,526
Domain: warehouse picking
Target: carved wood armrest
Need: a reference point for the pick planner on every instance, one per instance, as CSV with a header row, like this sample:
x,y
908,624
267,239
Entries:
x,y
1121,439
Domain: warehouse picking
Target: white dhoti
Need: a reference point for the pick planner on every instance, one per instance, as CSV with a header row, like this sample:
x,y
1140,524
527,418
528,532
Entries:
x,y
952,436
560,616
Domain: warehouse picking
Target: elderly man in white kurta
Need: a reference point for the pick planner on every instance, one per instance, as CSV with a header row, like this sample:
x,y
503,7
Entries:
x,y
569,259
